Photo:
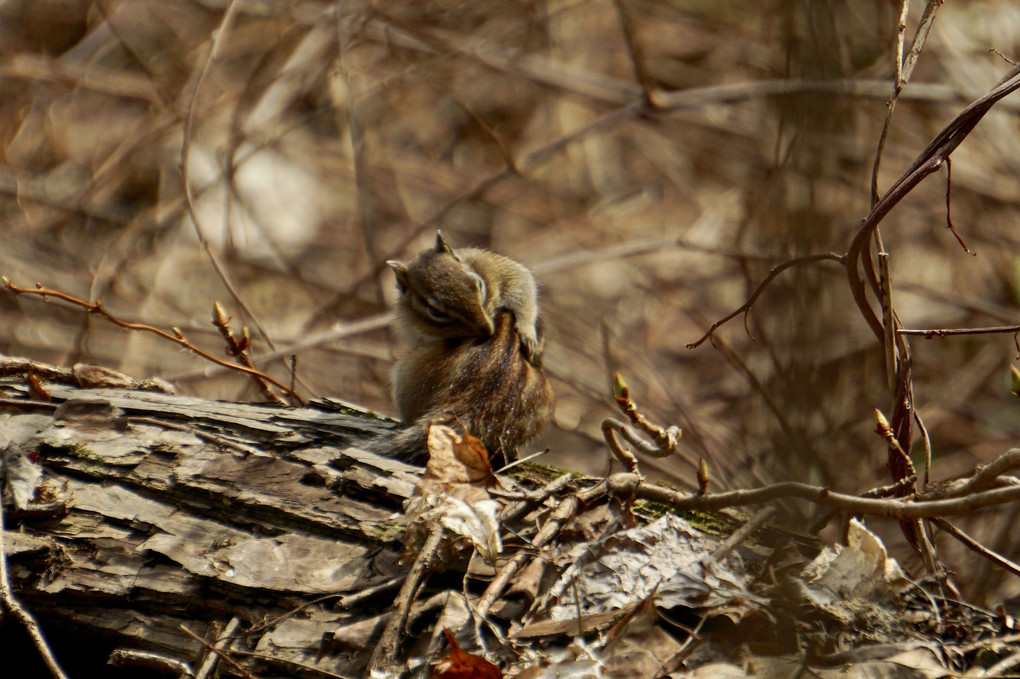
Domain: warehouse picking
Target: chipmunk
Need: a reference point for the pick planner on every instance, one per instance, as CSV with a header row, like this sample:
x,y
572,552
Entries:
x,y
471,319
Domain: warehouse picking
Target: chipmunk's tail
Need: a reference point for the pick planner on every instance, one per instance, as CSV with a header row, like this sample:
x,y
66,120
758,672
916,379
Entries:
x,y
408,445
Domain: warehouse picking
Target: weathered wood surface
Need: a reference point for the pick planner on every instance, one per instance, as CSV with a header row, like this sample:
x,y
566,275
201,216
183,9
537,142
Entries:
x,y
162,511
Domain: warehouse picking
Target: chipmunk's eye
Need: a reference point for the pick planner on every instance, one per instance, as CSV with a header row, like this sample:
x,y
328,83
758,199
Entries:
x,y
435,313
480,285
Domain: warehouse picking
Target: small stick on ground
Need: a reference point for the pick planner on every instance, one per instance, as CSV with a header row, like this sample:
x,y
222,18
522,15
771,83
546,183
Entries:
x,y
566,511
533,499
385,652
222,643
124,657
214,650
9,603
739,535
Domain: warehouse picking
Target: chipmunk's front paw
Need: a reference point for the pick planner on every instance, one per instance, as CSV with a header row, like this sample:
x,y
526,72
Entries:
x,y
531,345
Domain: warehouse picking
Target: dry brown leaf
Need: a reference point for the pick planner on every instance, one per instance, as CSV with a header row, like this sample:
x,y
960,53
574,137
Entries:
x,y
456,458
460,665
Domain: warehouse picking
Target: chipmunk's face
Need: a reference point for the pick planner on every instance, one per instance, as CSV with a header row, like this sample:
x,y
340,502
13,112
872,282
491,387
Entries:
x,y
441,297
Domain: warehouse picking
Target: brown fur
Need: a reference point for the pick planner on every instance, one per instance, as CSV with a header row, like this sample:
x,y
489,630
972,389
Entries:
x,y
471,361
486,386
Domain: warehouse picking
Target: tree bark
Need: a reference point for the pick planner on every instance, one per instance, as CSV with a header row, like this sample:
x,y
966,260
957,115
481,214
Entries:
x,y
159,519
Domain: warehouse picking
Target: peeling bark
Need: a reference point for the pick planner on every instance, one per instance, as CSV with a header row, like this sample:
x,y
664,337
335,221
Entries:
x,y
159,511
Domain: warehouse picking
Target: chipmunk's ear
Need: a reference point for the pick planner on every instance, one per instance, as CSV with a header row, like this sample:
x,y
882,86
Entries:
x,y
400,271
441,244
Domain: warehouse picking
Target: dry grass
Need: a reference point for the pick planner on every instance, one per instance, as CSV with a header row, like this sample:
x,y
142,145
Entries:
x,y
328,137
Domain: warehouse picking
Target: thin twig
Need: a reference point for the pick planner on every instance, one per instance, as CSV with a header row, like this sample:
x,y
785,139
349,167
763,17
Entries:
x,y
920,36
350,19
926,440
222,642
888,321
1004,535
739,536
756,385
774,272
218,652
637,59
238,348
696,97
610,426
977,547
892,509
350,600
340,330
638,248
676,661
927,162
665,439
988,475
905,63
1000,668
890,105
10,604
534,498
177,337
617,91
132,657
949,217
189,124
899,459
929,333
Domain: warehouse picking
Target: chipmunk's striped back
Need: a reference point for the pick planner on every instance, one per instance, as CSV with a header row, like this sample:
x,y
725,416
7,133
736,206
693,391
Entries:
x,y
484,385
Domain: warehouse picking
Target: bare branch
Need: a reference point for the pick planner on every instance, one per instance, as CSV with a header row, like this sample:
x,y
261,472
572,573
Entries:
x,y
977,547
929,333
176,337
773,274
927,162
891,509
949,217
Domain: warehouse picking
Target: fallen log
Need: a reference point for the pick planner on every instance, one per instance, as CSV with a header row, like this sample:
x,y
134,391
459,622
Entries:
x,y
162,518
